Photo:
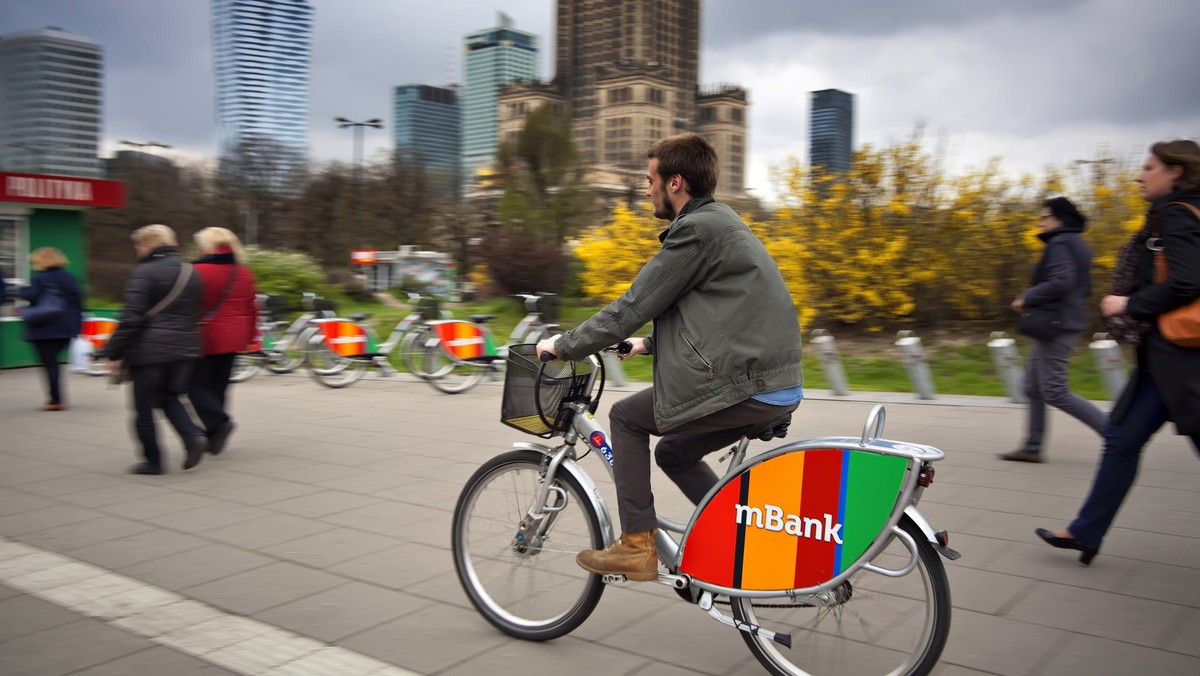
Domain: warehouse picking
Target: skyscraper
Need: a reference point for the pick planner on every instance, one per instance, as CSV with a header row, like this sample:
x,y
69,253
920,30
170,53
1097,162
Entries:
x,y
494,56
50,102
599,39
831,130
261,51
426,131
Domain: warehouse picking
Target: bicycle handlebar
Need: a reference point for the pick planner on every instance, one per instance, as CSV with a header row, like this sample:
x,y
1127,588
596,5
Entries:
x,y
623,347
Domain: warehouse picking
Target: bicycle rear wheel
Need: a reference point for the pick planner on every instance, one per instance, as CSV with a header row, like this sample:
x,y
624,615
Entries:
x,y
876,625
413,348
523,581
451,376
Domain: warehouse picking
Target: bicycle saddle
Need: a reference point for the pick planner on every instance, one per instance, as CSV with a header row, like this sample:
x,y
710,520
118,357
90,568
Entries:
x,y
480,319
359,317
775,428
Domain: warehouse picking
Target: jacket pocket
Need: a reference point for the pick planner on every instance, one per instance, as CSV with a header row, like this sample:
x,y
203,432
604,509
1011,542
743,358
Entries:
x,y
694,350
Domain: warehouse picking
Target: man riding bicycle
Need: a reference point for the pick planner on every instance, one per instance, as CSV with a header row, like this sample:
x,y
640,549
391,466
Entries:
x,y
725,342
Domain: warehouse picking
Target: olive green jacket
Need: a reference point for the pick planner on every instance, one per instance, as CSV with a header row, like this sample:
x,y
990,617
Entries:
x,y
725,327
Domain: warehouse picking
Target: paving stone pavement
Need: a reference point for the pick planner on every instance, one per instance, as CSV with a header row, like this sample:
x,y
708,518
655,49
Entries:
x,y
319,543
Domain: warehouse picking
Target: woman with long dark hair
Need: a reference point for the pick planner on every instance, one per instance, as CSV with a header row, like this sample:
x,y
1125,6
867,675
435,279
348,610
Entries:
x,y
1165,386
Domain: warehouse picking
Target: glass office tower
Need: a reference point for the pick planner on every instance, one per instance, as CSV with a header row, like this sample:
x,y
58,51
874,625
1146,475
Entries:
x,y
831,130
50,103
262,50
494,56
426,132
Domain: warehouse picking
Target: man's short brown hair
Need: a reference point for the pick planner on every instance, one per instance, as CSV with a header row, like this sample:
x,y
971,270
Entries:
x,y
690,156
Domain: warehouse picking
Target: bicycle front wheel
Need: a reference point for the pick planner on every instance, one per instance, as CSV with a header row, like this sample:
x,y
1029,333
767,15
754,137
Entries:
x,y
245,366
520,573
873,624
347,373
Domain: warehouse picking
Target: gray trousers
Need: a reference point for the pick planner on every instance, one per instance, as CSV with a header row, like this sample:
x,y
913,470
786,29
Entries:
x,y
1046,383
679,453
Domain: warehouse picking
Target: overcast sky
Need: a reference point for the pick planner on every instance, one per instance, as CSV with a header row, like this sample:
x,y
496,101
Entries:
x,y
1034,82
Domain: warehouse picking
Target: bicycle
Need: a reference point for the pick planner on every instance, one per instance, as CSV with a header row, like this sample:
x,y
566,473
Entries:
x,y
541,309
463,353
356,346
281,353
816,546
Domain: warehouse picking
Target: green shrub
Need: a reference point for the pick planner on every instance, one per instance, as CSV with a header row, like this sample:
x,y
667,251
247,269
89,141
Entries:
x,y
286,274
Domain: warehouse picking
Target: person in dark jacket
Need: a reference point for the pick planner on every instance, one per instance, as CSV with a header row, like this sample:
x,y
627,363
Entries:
x,y
161,348
726,348
1165,385
229,318
1062,276
50,339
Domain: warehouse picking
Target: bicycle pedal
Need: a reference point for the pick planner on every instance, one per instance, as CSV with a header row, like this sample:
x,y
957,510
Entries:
x,y
610,578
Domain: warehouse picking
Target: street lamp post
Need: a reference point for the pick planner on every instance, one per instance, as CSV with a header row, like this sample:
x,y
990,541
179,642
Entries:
x,y
374,123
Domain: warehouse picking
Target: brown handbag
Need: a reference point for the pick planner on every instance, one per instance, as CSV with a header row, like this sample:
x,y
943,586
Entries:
x,y
1181,326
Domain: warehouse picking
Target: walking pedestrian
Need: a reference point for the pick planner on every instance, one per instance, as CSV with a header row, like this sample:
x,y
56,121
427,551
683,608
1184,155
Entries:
x,y
159,338
1063,279
228,321
1165,385
49,339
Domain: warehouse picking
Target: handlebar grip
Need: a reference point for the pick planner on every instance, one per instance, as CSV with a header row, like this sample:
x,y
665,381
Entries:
x,y
624,347
546,357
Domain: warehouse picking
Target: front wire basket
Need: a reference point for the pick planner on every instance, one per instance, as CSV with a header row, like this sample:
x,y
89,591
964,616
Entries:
x,y
534,393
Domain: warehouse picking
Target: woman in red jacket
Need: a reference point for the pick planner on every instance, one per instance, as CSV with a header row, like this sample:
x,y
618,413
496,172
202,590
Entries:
x,y
228,314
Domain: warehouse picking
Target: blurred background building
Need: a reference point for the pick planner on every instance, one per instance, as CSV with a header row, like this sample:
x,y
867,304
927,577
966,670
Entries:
x,y
50,103
261,55
831,130
426,132
493,57
628,72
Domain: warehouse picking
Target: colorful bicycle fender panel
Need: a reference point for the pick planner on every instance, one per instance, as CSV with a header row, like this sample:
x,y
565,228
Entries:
x,y
465,340
794,521
97,330
345,339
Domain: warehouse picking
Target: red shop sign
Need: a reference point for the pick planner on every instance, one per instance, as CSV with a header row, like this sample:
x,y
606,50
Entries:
x,y
362,257
66,190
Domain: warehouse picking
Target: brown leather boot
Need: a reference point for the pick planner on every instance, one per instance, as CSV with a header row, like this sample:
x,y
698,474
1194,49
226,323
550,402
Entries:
x,y
633,555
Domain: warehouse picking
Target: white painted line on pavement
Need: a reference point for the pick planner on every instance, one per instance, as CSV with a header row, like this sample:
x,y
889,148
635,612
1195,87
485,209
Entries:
x,y
233,642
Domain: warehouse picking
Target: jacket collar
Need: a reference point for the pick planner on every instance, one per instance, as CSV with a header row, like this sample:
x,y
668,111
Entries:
x,y
161,252
221,258
1046,236
692,205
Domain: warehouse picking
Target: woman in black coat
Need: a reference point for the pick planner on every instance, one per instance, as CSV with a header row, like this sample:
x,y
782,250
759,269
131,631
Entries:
x,y
160,346
1166,383
50,339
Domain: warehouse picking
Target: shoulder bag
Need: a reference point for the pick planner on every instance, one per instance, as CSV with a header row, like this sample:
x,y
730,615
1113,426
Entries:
x,y
50,306
1041,322
1181,326
120,369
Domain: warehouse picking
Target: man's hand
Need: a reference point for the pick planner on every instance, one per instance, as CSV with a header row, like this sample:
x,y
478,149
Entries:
x,y
639,347
546,346
1018,305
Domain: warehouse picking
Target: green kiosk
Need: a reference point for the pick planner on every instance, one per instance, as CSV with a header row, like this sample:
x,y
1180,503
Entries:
x,y
37,210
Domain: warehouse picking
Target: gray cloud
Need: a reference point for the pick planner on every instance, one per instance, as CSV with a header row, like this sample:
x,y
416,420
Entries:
x,y
1039,81
728,23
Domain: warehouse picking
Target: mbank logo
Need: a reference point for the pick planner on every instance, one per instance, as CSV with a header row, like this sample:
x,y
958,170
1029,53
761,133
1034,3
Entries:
x,y
773,518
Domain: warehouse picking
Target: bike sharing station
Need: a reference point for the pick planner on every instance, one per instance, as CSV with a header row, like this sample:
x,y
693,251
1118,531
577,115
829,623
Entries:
x,y
38,210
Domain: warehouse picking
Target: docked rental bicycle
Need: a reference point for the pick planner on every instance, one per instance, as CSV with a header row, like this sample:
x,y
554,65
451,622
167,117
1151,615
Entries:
x,y
814,551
